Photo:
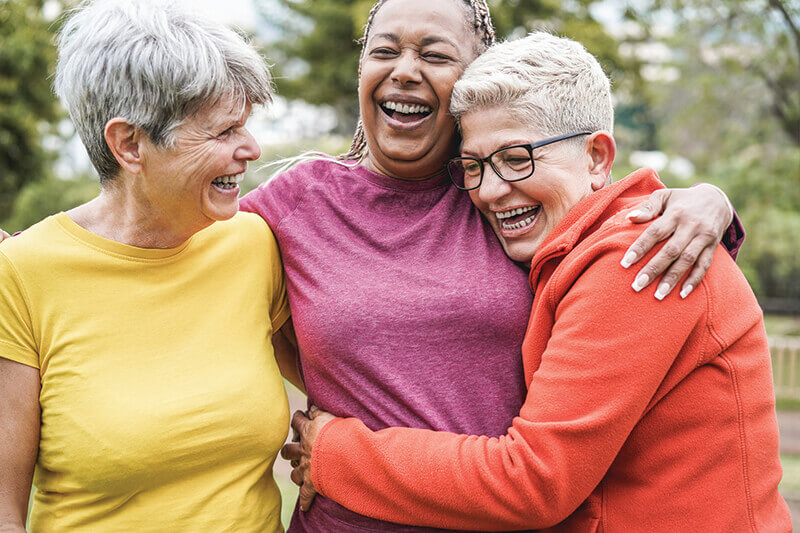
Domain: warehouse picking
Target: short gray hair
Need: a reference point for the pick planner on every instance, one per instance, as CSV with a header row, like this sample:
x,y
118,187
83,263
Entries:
x,y
552,83
153,63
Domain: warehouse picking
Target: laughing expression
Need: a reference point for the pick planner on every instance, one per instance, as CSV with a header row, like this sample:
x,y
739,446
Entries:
x,y
523,213
416,51
197,179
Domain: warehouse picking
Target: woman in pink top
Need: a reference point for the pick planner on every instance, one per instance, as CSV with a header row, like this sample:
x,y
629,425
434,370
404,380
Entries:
x,y
640,415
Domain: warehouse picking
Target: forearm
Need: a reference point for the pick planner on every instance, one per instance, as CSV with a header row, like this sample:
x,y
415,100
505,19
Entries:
x,y
598,374
19,425
284,344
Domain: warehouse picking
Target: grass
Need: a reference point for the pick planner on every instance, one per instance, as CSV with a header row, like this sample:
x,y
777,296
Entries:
x,y
790,484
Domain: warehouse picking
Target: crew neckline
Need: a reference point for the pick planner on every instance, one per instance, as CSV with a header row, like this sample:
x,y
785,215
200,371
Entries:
x,y
113,247
435,181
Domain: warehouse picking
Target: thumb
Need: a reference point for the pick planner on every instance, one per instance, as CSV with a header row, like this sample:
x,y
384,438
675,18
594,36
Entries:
x,y
650,208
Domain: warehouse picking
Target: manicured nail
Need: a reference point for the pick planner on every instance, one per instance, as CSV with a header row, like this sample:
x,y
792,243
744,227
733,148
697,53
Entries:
x,y
640,282
628,260
686,291
634,213
662,291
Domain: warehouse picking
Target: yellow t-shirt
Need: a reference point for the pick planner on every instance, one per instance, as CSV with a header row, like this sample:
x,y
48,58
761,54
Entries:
x,y
162,405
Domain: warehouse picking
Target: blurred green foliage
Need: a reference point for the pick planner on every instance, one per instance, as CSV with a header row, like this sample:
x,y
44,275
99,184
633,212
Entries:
x,y
27,107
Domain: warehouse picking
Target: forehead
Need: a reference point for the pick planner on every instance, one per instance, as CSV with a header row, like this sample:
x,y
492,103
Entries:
x,y
223,111
486,129
416,19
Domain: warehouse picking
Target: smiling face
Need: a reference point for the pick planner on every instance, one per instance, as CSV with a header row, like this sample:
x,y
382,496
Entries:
x,y
196,180
524,213
416,51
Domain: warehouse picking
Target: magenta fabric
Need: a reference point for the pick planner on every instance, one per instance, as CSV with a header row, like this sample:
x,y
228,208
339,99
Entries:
x,y
407,311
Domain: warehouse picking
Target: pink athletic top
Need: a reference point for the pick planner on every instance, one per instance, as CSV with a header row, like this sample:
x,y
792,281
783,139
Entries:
x,y
407,311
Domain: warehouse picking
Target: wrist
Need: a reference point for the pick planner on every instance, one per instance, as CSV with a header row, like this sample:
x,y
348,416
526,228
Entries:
x,y
731,211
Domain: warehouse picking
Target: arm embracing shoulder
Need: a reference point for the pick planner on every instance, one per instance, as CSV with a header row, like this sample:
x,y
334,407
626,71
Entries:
x,y
598,374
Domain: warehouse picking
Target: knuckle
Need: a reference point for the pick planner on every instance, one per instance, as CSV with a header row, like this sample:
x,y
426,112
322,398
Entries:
x,y
689,257
672,251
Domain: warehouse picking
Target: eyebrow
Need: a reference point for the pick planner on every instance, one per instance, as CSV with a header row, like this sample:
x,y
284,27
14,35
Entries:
x,y
469,153
425,41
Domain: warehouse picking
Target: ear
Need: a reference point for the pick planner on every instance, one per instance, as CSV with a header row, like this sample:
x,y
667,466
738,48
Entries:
x,y
123,139
601,150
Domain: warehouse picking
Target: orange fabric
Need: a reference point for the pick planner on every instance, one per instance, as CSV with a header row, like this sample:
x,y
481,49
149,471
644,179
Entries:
x,y
640,414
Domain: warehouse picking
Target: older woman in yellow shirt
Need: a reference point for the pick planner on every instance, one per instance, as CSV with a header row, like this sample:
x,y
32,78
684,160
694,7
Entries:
x,y
137,376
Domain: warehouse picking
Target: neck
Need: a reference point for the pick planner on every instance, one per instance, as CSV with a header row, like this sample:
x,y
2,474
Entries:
x,y
122,216
414,172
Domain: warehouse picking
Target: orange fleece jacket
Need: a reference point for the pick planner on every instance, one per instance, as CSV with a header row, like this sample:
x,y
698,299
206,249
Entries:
x,y
640,414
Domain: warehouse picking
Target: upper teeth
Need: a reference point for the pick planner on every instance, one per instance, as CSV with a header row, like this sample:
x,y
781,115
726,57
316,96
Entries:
x,y
230,180
514,212
407,109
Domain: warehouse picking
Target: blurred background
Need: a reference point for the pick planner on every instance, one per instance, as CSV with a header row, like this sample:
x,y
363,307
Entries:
x,y
705,91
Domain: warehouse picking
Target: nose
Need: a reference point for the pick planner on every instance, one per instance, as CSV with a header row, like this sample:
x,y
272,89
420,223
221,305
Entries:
x,y
406,69
492,188
249,149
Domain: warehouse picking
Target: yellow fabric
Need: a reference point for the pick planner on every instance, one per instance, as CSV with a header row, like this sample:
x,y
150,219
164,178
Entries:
x,y
162,405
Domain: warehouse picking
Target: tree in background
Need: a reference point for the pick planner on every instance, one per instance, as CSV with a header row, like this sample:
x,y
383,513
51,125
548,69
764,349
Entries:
x,y
27,106
317,54
733,108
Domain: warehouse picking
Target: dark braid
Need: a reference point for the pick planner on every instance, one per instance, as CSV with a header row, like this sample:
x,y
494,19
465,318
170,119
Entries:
x,y
482,21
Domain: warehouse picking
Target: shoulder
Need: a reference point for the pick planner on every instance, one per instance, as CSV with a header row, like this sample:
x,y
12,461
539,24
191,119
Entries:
x,y
33,243
279,197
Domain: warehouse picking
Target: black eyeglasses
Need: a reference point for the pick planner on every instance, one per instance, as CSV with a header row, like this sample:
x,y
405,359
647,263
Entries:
x,y
511,163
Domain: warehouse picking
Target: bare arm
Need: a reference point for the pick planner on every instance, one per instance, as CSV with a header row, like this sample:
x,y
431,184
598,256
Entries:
x,y
19,425
284,343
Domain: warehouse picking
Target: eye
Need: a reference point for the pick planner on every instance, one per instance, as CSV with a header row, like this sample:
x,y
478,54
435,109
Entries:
x,y
472,167
383,52
435,57
227,133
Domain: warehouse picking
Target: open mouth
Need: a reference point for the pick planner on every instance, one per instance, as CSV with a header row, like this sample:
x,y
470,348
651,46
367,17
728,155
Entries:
x,y
405,112
518,218
227,183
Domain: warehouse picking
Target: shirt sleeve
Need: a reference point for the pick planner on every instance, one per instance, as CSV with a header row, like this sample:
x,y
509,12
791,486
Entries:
x,y
279,302
598,375
17,341
276,199
734,236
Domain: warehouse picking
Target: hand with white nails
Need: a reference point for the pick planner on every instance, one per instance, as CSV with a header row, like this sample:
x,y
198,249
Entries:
x,y
694,220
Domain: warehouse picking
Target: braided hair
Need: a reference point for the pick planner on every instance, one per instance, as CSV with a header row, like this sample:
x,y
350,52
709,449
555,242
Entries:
x,y
481,20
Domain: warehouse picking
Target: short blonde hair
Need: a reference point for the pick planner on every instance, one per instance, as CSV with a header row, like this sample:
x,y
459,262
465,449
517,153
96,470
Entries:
x,y
550,82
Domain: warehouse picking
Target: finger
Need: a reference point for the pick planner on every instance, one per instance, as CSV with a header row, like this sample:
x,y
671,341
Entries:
x,y
699,271
655,233
313,411
294,463
299,422
307,495
292,451
297,476
666,256
650,208
679,268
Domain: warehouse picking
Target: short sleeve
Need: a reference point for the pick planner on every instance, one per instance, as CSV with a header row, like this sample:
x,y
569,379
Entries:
x,y
279,302
16,335
276,199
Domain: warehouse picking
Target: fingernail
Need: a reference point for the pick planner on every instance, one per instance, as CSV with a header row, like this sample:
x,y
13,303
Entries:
x,y
634,213
640,282
686,291
662,291
628,260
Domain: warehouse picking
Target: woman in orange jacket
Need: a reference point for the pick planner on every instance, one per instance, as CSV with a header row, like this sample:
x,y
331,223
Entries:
x,y
640,414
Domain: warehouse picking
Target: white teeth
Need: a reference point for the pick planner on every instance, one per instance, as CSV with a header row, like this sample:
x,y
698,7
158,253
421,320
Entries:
x,y
514,212
520,224
228,182
406,108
